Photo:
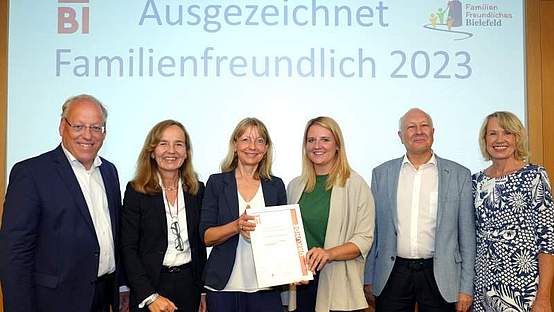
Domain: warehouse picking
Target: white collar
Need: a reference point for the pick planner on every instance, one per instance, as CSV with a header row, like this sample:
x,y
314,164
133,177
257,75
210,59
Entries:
x,y
432,161
96,163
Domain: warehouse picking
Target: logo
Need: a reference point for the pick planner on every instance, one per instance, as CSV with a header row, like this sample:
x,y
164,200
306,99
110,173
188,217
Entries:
x,y
73,16
456,18
448,19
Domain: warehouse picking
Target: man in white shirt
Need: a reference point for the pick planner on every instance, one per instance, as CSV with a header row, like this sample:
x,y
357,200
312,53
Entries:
x,y
424,245
58,241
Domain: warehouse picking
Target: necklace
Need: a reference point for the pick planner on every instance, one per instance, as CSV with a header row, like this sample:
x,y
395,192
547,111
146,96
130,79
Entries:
x,y
170,188
175,228
174,217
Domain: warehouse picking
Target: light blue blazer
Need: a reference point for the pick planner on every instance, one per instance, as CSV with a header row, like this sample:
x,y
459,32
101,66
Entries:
x,y
454,256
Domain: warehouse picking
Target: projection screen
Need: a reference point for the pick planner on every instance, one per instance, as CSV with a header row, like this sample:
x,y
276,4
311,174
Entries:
x,y
209,64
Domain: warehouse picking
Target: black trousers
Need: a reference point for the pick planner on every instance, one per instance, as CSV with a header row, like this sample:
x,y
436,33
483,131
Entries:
x,y
412,281
236,301
104,293
177,284
179,287
306,296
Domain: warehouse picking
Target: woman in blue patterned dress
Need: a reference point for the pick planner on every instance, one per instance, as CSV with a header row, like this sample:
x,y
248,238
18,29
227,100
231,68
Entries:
x,y
514,222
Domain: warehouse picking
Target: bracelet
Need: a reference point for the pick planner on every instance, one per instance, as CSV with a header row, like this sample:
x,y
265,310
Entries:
x,y
152,299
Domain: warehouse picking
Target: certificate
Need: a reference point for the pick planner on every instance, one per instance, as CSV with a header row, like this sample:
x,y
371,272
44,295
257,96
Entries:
x,y
279,245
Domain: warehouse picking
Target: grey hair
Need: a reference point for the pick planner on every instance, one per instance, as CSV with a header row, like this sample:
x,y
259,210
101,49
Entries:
x,y
73,99
401,120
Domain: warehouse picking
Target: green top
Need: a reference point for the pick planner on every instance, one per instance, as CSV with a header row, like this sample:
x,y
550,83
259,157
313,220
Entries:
x,y
314,207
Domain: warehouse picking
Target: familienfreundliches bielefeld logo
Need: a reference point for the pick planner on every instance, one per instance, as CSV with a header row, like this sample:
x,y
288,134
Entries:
x,y
73,17
462,19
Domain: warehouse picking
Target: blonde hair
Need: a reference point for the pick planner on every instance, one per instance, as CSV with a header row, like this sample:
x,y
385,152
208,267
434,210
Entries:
x,y
340,171
146,176
230,161
509,122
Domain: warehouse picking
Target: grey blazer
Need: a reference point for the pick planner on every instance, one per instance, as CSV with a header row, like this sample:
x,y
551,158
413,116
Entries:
x,y
454,256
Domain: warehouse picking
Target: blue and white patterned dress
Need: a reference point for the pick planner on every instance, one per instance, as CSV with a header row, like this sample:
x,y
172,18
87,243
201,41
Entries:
x,y
514,220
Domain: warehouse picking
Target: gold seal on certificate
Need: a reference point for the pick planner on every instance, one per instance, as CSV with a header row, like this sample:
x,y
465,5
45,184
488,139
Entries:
x,y
279,245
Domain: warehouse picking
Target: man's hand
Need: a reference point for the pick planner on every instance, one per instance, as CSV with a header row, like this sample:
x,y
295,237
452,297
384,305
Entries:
x,y
464,302
124,301
368,292
203,306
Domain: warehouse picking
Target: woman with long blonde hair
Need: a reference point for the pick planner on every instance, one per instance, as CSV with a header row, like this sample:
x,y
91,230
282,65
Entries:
x,y
337,212
245,182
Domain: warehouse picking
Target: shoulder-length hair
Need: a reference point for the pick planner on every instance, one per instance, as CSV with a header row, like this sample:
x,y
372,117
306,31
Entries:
x,y
509,122
231,161
146,176
340,171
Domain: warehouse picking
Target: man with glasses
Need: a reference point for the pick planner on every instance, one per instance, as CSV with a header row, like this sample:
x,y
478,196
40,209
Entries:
x,y
58,247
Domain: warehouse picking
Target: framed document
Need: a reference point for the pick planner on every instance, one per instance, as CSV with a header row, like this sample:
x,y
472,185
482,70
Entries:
x,y
279,245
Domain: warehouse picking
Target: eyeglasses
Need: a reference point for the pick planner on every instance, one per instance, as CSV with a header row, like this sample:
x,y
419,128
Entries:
x,y
80,128
176,230
248,141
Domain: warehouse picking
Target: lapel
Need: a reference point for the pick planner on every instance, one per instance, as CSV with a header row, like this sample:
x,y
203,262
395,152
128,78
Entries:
x,y
158,202
296,191
393,175
336,213
444,178
70,181
230,194
268,191
191,216
108,179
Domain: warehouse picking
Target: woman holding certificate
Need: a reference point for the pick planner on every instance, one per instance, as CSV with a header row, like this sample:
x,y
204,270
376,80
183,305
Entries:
x,y
338,215
245,182
161,249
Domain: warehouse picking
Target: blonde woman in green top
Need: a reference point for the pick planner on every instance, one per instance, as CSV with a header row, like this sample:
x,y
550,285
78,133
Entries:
x,y
338,215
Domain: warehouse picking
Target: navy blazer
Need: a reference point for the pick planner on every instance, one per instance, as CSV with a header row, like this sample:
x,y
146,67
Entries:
x,y
48,246
221,206
144,240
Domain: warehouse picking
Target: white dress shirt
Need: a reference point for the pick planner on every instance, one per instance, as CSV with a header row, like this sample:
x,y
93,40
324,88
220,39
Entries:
x,y
94,191
243,277
174,257
417,197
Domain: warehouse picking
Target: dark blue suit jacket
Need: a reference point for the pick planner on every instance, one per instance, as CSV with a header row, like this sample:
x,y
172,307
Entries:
x,y
221,206
48,247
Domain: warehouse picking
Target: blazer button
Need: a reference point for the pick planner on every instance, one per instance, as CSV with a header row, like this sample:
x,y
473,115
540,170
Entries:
x,y
97,253
392,258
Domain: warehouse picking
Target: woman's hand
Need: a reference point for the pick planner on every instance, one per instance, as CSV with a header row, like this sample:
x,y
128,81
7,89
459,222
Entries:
x,y
162,304
317,258
245,226
219,234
